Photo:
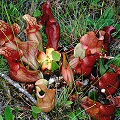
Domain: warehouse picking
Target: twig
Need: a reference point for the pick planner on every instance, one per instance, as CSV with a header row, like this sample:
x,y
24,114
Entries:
x,y
1,104
15,84
32,8
107,57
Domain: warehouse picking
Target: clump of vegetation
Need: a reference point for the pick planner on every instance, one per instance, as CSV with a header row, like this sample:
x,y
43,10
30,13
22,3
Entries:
x,y
63,61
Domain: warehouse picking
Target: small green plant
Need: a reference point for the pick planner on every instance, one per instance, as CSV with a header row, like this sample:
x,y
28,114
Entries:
x,y
3,62
1,118
8,113
35,111
78,115
37,13
62,99
56,58
117,113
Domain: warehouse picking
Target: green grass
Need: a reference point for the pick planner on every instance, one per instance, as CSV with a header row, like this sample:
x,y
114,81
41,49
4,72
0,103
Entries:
x,y
78,17
75,18
4,67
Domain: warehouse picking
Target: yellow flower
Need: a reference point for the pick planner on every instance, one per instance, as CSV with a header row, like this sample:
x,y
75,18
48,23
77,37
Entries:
x,y
45,59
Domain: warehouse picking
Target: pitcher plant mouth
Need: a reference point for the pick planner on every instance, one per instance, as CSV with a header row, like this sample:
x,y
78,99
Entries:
x,y
40,93
45,97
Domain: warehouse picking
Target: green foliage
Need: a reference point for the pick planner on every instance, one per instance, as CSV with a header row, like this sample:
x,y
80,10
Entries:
x,y
37,13
55,66
13,10
11,114
102,67
86,15
115,61
63,97
93,95
55,56
117,26
106,19
117,113
8,113
68,103
3,62
35,111
64,103
73,116
1,118
10,12
79,114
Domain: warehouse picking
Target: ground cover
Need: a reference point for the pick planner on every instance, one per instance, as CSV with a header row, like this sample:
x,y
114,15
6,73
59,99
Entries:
x,y
91,57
